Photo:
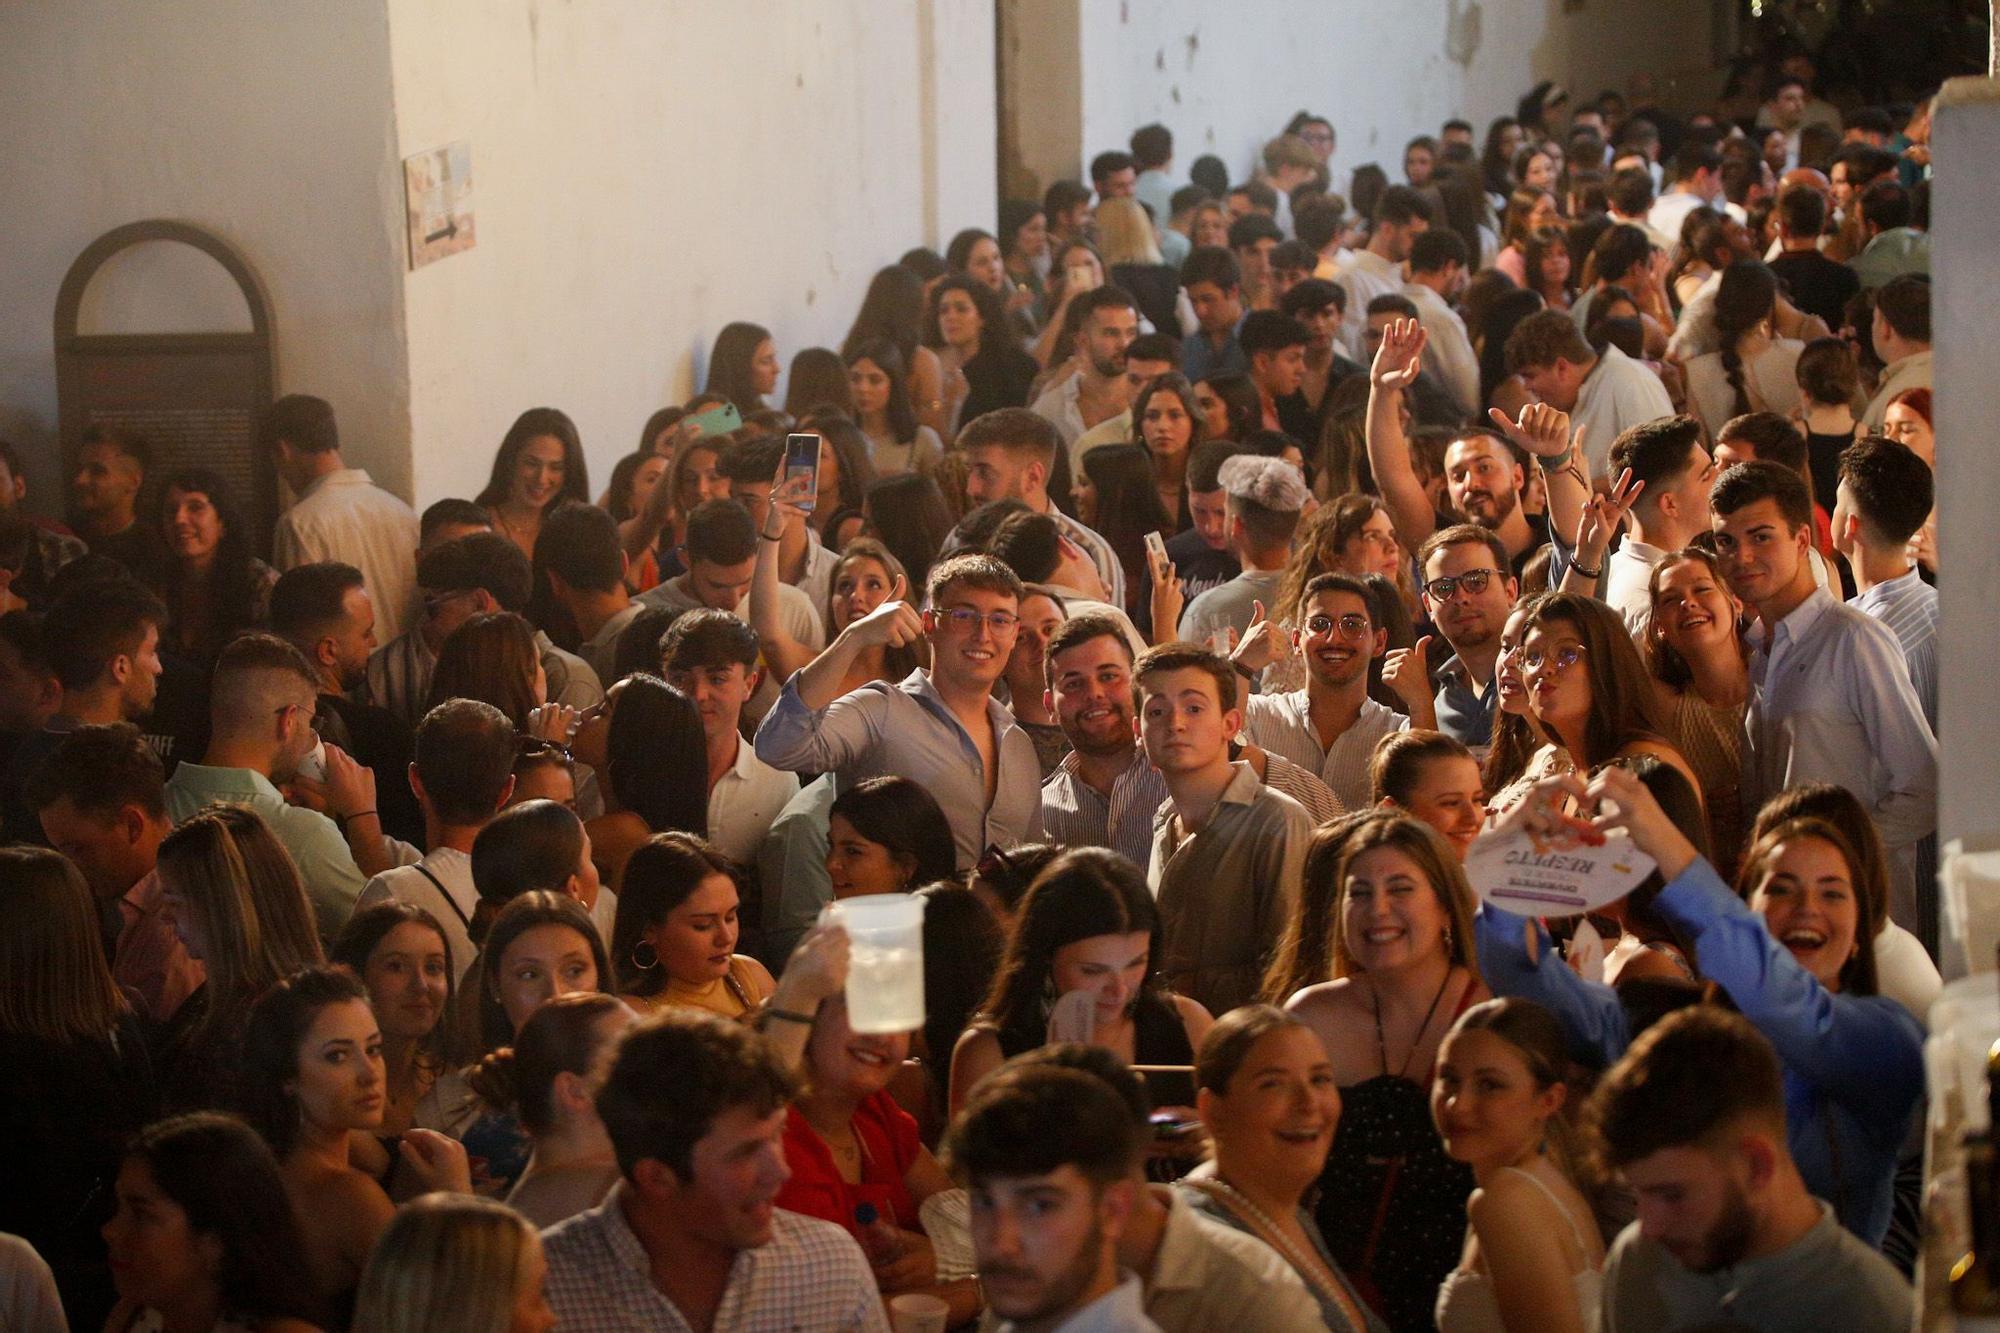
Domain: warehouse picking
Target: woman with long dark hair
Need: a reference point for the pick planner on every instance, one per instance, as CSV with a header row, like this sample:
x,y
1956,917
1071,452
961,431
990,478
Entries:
x,y
1546,261
1088,924
1504,137
632,483
1700,664
1118,496
968,327
674,943
908,515
897,441
845,473
1228,407
646,741
1168,422
1528,211
743,366
539,465
1587,685
214,588
402,956
817,381
205,1237
887,835
1753,370
894,310
1498,386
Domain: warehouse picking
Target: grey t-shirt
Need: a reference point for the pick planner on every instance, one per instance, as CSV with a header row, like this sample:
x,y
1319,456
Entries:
x,y
1828,1281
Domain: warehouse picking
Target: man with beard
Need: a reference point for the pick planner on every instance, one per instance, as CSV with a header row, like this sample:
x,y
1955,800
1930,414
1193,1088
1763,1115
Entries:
x,y
1103,793
1484,479
1011,454
1046,1155
1693,1120
323,610
1467,592
1606,393
1331,726
1097,391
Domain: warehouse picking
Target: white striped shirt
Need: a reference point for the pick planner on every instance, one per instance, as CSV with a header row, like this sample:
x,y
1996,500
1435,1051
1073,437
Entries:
x,y
1282,724
1076,814
1909,607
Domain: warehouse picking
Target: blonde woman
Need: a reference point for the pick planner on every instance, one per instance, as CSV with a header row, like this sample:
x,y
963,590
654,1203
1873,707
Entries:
x,y
450,1263
1131,251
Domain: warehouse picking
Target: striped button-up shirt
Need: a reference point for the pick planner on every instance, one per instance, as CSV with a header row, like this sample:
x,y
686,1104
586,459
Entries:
x,y
1282,724
1909,607
1076,814
811,1275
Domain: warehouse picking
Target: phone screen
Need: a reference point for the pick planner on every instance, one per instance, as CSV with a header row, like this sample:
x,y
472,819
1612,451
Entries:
x,y
802,460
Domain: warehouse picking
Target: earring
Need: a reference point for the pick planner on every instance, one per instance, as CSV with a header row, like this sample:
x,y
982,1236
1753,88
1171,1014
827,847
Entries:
x,y
649,963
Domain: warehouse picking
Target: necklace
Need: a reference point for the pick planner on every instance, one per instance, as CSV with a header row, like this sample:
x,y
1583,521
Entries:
x,y
1382,1045
1309,1266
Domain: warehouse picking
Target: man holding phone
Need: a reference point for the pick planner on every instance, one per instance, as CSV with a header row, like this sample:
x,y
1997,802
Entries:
x,y
753,468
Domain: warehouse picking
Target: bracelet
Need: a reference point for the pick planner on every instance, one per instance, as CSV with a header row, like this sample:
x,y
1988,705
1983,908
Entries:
x,y
358,814
1242,670
766,537
1578,567
1560,461
787,1016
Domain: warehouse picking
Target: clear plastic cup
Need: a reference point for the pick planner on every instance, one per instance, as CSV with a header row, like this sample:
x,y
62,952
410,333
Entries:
x,y
885,970
918,1312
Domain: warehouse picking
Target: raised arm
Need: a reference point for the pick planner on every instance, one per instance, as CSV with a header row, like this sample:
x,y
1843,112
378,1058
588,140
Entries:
x,y
1397,363
1545,432
1603,515
784,654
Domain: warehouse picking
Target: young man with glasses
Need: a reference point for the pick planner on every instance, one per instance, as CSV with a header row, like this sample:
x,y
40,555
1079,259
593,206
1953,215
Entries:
x,y
940,726
1331,726
1467,592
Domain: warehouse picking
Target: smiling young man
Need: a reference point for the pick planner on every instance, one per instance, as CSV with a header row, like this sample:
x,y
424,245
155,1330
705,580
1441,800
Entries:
x,y
1226,848
1103,793
711,657
1831,698
690,1238
940,725
1666,456
1693,1120
1331,726
1468,593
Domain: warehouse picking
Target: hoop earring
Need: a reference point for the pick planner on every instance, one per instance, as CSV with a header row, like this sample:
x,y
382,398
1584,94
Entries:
x,y
645,965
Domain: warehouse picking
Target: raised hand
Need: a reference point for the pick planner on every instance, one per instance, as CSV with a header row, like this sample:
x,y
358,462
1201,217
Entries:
x,y
1603,515
894,624
1542,430
1263,643
1407,671
438,1160
552,722
1169,597
1400,356
1622,801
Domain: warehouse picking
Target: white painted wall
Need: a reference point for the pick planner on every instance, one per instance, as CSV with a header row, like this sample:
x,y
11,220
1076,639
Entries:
x,y
263,121
645,173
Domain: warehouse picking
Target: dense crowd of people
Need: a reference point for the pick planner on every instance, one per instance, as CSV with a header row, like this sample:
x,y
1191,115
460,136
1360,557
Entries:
x,y
428,928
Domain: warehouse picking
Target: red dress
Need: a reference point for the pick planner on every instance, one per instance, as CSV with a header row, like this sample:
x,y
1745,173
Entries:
x,y
889,1144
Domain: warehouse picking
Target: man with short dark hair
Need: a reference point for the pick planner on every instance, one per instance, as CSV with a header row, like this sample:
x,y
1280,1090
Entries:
x,y
1097,391
1252,238
1045,1154
689,1238
1103,793
263,701
1153,156
1697,183
1902,335
584,562
1401,215
1856,166
1885,495
447,520
30,694
1818,285
112,464
1693,1120
1227,849
99,798
1468,593
1330,727
1010,455
1321,307
324,611
1147,357
940,725
462,774
1623,258
1275,346
1114,175
1202,556
1292,262
1439,267
1831,698
339,514
1265,499
1604,393
460,578
1669,462
1894,247
1214,286
711,657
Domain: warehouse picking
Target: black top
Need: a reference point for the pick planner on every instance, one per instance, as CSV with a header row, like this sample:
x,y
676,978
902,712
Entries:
x,y
1823,459
1303,420
1200,565
1000,376
139,548
1155,289
1817,285
380,740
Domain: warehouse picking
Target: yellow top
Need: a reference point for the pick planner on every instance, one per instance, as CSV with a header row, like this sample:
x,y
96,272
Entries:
x,y
737,995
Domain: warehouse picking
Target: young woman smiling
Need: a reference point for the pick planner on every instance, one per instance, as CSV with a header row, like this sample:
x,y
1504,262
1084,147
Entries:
x,y
1532,1251
214,587
401,955
1433,777
1384,925
1701,675
312,1072
1087,924
1270,1104
539,465
675,939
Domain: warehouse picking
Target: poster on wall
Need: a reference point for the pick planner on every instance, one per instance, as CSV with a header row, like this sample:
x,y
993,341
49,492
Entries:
x,y
437,187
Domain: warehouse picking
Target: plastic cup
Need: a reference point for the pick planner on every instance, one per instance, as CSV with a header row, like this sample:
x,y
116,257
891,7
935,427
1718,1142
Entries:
x,y
885,970
918,1312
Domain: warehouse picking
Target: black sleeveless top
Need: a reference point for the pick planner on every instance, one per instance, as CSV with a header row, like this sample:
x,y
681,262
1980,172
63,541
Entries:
x,y
1158,1038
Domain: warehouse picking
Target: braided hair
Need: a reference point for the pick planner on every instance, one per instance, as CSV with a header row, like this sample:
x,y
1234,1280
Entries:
x,y
1746,298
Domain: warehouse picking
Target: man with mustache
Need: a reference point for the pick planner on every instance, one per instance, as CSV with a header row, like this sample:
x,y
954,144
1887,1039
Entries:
x,y
1693,1120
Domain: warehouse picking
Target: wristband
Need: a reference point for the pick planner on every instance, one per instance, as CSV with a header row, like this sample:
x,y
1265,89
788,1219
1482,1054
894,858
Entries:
x,y
358,814
1560,461
787,1016
766,537
1578,567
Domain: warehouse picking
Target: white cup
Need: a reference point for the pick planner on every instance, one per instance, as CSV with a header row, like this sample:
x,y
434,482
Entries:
x,y
918,1312
885,970
313,766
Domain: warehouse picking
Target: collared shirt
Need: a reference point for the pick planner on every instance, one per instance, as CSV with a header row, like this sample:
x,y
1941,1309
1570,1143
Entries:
x,y
1831,701
1119,1310
1909,607
1448,351
1201,358
1282,724
1628,581
1076,814
1206,1275
1669,211
905,730
1908,372
1061,406
150,958
601,648
1225,890
1304,786
446,892
744,801
1826,1280
1463,711
1367,276
1617,394
1109,571
811,1275
333,882
1111,430
344,516
791,867
1891,254
399,675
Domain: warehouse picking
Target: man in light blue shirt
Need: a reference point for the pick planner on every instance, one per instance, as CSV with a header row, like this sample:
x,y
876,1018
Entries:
x,y
1153,155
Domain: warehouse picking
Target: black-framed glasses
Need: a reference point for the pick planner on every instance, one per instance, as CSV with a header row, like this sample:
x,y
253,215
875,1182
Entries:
x,y
1474,581
1351,626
